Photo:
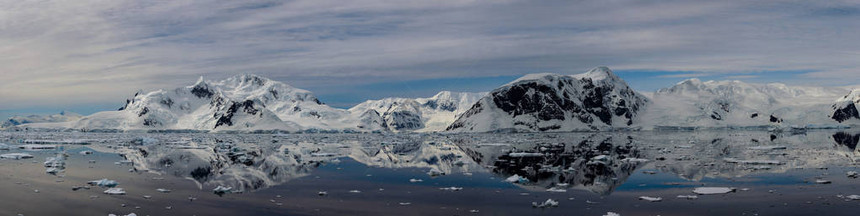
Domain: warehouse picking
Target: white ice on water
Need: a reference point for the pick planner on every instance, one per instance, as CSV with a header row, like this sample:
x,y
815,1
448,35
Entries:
x,y
713,190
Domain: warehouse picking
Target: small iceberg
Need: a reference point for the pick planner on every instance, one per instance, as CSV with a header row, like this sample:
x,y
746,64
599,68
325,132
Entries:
x,y
651,199
712,190
16,156
37,147
451,189
546,204
103,183
221,190
516,179
556,190
435,172
114,191
689,197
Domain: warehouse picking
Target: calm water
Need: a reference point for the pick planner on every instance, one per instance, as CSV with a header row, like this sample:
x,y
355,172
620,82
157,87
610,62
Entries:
x,y
773,173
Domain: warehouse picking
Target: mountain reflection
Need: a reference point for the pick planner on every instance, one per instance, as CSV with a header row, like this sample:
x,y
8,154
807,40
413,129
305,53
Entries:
x,y
598,162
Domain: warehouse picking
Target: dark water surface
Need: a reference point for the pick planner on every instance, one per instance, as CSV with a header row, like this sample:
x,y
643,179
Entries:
x,y
772,173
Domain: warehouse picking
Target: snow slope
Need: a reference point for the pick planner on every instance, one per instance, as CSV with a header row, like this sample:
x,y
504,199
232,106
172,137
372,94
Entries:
x,y
61,117
417,114
715,104
845,108
595,100
244,102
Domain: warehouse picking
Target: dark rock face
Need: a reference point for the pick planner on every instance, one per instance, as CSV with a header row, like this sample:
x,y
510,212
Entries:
x,y
227,117
544,102
846,139
202,91
477,108
566,99
403,120
774,119
450,107
845,113
371,119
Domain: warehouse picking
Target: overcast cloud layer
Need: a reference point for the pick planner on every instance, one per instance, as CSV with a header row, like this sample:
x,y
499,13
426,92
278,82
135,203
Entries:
x,y
69,53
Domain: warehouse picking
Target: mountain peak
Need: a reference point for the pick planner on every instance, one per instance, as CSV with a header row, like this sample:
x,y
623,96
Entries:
x,y
598,73
248,79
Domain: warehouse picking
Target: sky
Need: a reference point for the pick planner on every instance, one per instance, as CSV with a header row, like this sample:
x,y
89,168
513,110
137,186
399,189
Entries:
x,y
90,55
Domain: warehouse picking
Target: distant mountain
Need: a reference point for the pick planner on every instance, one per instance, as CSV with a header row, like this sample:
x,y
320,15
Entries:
x,y
592,101
845,108
244,102
597,100
415,114
696,104
61,117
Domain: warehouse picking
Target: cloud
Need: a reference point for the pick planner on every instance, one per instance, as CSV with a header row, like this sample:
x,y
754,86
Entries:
x,y
59,53
685,75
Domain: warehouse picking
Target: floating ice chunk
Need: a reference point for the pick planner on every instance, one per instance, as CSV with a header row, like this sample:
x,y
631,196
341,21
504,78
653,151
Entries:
x,y
435,172
67,142
37,147
546,204
114,191
163,190
752,162
516,179
221,190
853,197
475,211
822,181
525,154
103,183
852,174
689,197
493,144
124,162
651,199
85,152
771,147
451,189
612,214
322,193
415,180
634,160
16,156
355,191
405,203
53,170
556,190
3,146
712,190
130,214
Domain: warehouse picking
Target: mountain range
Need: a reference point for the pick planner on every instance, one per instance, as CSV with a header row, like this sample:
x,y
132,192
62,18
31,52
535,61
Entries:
x,y
597,100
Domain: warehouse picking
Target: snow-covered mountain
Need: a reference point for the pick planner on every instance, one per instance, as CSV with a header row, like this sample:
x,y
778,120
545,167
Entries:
x,y
244,102
714,104
845,108
595,100
61,117
415,114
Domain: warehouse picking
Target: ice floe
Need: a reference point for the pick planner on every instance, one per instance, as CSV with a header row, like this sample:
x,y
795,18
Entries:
x,y
545,204
713,190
